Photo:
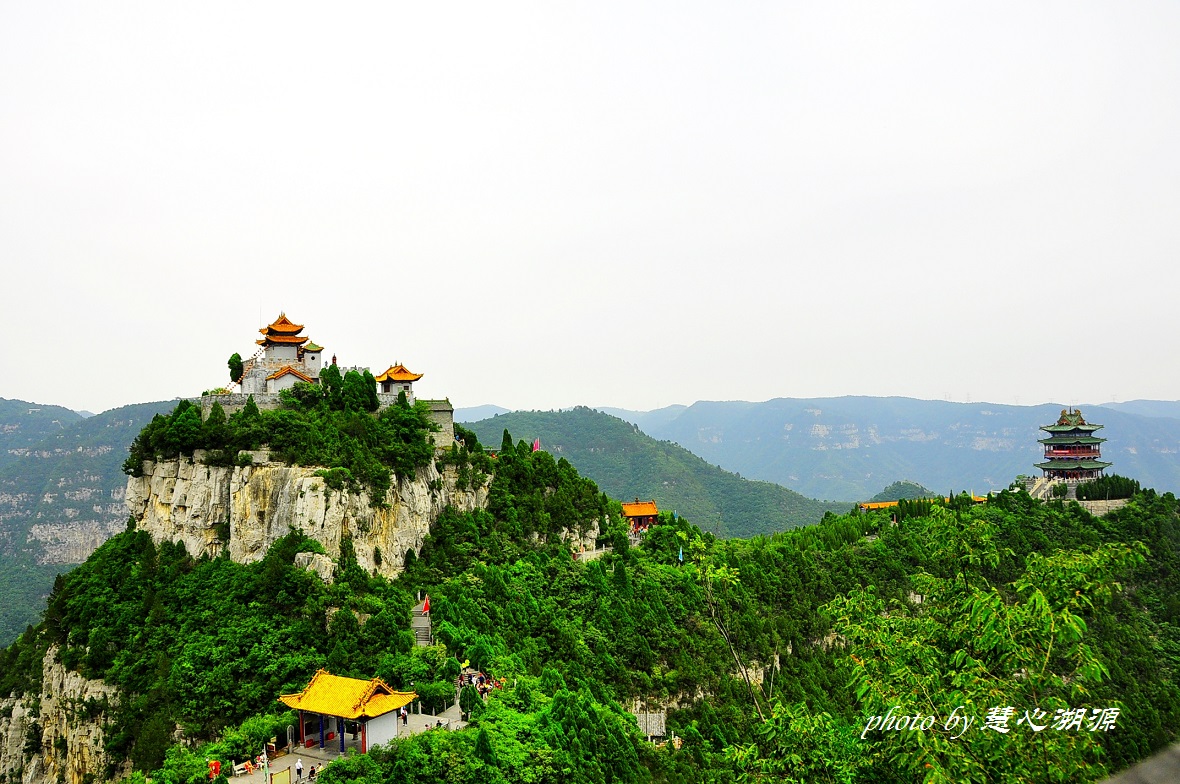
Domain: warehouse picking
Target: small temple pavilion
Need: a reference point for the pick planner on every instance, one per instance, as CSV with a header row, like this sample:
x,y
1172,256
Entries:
x,y
1072,451
641,514
397,379
331,700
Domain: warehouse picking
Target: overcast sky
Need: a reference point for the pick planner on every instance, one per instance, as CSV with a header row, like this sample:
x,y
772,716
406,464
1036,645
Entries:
x,y
606,203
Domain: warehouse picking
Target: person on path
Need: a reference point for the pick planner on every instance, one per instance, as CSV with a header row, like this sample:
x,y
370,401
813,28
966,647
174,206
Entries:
x,y
299,769
311,774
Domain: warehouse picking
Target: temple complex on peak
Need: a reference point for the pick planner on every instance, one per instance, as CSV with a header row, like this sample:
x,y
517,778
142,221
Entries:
x,y
285,358
1072,451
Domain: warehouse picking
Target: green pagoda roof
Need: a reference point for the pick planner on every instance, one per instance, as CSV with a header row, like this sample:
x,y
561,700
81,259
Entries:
x,y
1070,428
1072,465
1069,421
1072,440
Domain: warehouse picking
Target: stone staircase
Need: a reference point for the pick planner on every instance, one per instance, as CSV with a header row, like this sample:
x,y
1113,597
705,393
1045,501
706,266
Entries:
x,y
420,624
1042,489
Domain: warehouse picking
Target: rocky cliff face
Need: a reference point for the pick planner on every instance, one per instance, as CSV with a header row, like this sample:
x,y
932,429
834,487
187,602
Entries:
x,y
65,719
245,509
242,511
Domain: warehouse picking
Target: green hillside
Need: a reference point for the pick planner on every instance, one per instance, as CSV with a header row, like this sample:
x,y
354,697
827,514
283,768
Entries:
x,y
24,425
903,490
1036,606
627,463
60,481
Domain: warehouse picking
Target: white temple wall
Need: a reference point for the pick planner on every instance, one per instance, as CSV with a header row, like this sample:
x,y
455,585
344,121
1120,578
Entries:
x,y
282,352
381,729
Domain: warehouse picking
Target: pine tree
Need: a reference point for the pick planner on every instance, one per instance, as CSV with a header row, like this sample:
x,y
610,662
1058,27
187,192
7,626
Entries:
x,y
484,750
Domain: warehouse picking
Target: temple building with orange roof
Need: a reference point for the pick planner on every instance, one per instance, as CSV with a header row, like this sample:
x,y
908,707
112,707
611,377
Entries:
x,y
641,514
397,379
286,357
329,701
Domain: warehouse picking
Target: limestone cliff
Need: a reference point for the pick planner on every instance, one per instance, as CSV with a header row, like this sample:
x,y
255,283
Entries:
x,y
65,720
245,509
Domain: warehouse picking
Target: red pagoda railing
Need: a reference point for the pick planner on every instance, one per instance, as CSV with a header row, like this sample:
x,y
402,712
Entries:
x,y
1067,453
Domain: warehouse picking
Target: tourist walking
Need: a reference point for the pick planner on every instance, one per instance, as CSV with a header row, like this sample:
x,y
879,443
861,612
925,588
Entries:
x,y
299,770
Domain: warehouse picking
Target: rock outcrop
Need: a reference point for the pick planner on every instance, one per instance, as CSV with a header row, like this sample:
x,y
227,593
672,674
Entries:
x,y
245,509
64,720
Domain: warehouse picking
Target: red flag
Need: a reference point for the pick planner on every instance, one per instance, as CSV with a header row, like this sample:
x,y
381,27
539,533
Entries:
x,y
536,444
426,604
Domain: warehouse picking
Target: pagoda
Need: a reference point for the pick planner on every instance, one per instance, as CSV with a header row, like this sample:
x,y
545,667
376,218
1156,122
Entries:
x,y
284,358
1072,451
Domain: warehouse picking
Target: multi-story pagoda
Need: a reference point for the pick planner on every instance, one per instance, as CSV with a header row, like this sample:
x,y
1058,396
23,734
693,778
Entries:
x,y
284,358
1072,451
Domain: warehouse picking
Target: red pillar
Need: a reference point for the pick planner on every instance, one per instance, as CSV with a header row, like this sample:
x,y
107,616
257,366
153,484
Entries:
x,y
301,738
364,737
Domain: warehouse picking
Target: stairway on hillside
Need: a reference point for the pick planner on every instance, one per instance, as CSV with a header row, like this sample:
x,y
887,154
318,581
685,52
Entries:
x,y
420,623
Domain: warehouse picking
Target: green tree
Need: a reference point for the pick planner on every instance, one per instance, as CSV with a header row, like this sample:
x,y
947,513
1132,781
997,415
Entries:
x,y
333,384
976,646
484,750
235,367
469,699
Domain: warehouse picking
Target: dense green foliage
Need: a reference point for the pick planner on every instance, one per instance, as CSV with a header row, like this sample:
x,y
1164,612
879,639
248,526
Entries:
x,y
59,473
628,464
1107,487
329,424
1017,601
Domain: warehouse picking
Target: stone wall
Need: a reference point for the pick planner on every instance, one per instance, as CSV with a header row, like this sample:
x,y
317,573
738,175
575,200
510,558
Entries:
x,y
233,403
243,510
442,412
1099,508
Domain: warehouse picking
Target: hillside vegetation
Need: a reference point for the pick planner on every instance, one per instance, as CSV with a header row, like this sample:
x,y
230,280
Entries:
x,y
628,464
60,490
1020,606
899,491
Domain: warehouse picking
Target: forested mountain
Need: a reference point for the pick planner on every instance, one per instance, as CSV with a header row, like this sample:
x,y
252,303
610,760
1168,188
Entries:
x,y
61,495
903,491
627,464
851,447
24,425
773,655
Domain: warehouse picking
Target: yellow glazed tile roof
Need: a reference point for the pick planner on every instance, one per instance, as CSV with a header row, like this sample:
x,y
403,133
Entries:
x,y
398,373
639,509
348,698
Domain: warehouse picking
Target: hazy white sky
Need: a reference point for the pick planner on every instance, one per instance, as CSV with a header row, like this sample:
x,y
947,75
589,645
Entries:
x,y
605,203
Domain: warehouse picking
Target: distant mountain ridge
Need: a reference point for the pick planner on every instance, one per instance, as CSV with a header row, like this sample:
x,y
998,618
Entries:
x,y
627,463
476,413
851,447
